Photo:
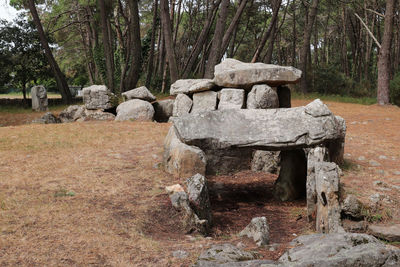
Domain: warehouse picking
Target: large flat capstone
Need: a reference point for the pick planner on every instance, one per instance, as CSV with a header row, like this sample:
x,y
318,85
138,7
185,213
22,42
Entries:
x,y
268,129
237,74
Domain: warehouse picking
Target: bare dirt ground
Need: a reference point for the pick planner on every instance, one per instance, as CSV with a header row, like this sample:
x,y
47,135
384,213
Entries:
x,y
92,193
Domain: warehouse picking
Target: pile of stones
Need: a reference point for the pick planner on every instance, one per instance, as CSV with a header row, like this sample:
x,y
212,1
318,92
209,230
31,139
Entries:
x,y
221,130
101,104
236,85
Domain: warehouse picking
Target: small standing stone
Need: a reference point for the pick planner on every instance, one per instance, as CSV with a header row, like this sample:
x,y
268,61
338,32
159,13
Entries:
x,y
198,197
327,187
39,98
258,230
98,97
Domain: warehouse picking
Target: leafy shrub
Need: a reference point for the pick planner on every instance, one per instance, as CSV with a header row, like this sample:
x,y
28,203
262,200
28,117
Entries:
x,y
327,80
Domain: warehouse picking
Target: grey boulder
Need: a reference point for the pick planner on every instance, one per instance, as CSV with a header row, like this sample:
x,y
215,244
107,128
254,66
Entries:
x,y
258,230
224,253
262,96
352,207
190,86
390,233
47,118
269,129
182,105
72,113
266,161
139,93
231,98
136,110
204,101
198,197
340,250
98,97
234,73
39,98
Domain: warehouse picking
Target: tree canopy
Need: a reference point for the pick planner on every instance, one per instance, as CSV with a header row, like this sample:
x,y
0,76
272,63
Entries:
x,y
337,44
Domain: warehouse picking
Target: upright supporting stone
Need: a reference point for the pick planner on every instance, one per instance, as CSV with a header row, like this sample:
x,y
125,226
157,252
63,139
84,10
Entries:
x,y
315,155
328,207
39,98
180,159
204,101
291,183
199,199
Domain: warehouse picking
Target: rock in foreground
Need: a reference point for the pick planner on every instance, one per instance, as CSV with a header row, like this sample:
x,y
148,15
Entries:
x,y
341,250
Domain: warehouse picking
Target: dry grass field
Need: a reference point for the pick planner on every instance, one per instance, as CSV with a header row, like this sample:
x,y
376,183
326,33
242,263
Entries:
x,y
92,193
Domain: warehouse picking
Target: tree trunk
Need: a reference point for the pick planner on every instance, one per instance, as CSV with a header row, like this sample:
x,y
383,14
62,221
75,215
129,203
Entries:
x,y
200,40
384,55
165,18
108,54
232,29
294,38
215,52
150,61
304,53
136,47
260,47
58,75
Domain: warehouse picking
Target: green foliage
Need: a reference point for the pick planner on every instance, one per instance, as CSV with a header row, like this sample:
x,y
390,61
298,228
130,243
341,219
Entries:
x,y
395,89
21,50
98,55
336,98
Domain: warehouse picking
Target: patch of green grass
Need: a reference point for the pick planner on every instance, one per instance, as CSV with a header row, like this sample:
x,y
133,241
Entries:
x,y
348,165
64,193
336,98
13,109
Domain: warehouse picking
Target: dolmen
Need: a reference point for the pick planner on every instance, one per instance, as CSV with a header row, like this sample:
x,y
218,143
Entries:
x,y
217,130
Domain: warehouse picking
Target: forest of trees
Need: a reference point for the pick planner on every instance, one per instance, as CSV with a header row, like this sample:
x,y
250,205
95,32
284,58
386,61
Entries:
x,y
344,47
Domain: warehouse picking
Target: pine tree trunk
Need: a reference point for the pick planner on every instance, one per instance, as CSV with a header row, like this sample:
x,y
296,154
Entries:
x,y
304,53
108,54
58,75
215,52
150,61
384,55
167,32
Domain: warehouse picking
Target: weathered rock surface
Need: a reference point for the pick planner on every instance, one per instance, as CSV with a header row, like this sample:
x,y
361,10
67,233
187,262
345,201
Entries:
x,y
291,182
182,105
72,113
136,110
224,253
234,73
231,98
47,118
390,233
204,101
98,97
199,199
258,230
315,155
262,96
139,93
180,159
340,250
266,161
352,207
39,98
189,86
163,110
97,115
271,129
284,96
327,188
227,161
